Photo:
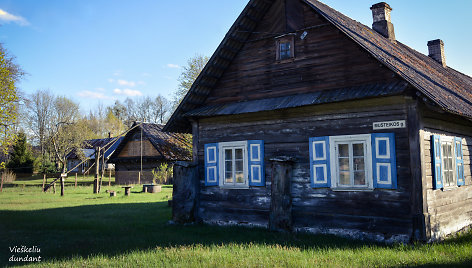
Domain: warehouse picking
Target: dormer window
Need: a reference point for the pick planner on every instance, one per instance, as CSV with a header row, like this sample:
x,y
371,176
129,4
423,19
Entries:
x,y
284,47
285,50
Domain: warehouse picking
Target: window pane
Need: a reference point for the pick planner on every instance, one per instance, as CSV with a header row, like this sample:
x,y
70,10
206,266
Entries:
x,y
228,154
239,154
343,150
344,164
344,178
228,166
359,177
359,164
239,177
358,149
228,177
239,165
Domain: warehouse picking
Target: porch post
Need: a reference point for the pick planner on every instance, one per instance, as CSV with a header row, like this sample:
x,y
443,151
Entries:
x,y
280,217
185,192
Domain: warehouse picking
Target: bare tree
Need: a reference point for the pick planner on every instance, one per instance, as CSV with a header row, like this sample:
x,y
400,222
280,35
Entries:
x,y
161,108
40,106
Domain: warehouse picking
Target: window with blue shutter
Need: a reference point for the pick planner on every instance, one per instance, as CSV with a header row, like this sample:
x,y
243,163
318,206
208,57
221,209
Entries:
x,y
437,161
320,172
459,161
384,164
256,172
211,164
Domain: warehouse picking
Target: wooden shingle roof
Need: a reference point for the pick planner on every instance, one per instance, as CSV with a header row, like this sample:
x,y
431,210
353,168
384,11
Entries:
x,y
444,86
170,146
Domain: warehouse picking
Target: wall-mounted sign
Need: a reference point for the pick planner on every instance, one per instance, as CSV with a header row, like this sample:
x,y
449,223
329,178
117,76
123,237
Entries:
x,y
389,124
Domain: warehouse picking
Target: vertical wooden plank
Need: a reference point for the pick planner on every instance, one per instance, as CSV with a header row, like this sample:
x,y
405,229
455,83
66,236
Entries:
x,y
195,137
75,180
44,180
417,210
1,186
97,170
109,178
280,217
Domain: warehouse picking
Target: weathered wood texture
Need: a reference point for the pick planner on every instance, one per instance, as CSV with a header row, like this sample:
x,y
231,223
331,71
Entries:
x,y
131,177
184,195
449,210
325,59
287,132
281,199
133,149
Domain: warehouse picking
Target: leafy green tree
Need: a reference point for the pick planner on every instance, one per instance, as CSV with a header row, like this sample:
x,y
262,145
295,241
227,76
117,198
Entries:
x,y
21,160
189,74
10,73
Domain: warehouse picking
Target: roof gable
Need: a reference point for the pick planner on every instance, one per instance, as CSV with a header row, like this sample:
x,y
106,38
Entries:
x,y
449,89
169,146
446,87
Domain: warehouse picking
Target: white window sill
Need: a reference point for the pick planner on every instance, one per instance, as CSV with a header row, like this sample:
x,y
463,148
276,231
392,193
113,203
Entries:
x,y
449,188
347,189
234,187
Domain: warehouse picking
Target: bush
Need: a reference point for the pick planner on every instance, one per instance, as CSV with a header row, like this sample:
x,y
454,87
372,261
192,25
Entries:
x,y
44,165
21,160
162,174
8,176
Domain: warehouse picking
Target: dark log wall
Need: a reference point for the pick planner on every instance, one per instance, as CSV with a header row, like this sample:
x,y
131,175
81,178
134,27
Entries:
x,y
133,148
325,59
448,210
128,172
286,133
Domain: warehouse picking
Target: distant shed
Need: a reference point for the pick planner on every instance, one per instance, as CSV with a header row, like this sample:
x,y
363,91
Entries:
x,y
108,145
145,148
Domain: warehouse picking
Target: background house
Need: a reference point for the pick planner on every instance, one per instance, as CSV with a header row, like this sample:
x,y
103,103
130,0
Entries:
x,y
108,144
144,148
378,135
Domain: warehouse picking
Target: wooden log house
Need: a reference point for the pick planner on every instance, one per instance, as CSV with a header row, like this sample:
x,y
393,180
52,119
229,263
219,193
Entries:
x,y
307,120
107,145
145,148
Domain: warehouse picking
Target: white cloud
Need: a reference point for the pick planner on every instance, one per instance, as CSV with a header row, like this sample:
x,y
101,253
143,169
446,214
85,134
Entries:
x,y
142,83
145,74
101,89
111,80
126,83
94,95
7,17
127,92
173,66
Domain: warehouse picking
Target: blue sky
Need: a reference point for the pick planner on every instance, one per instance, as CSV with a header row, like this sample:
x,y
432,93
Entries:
x,y
101,50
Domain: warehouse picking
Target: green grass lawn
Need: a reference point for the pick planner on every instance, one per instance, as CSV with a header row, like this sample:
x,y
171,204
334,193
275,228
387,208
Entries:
x,y
83,229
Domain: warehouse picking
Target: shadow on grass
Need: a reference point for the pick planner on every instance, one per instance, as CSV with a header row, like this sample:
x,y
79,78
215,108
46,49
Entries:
x,y
114,229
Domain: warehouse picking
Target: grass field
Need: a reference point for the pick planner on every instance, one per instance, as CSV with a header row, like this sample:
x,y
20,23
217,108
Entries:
x,y
82,229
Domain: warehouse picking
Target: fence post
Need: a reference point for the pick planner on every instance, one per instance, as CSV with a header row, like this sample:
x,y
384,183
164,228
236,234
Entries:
x,y
280,217
1,186
75,180
44,180
109,177
185,192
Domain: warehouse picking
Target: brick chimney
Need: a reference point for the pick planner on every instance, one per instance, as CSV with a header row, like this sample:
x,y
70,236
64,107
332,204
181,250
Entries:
x,y
436,51
382,21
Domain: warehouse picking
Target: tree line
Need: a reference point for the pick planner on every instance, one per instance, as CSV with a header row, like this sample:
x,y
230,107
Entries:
x,y
41,128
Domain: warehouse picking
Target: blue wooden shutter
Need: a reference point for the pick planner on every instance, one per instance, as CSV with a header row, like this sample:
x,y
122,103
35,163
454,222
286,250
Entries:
x,y
320,173
211,164
437,161
256,172
459,161
384,163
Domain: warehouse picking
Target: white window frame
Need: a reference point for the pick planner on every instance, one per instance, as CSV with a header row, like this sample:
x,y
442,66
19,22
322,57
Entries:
x,y
333,142
221,164
451,140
